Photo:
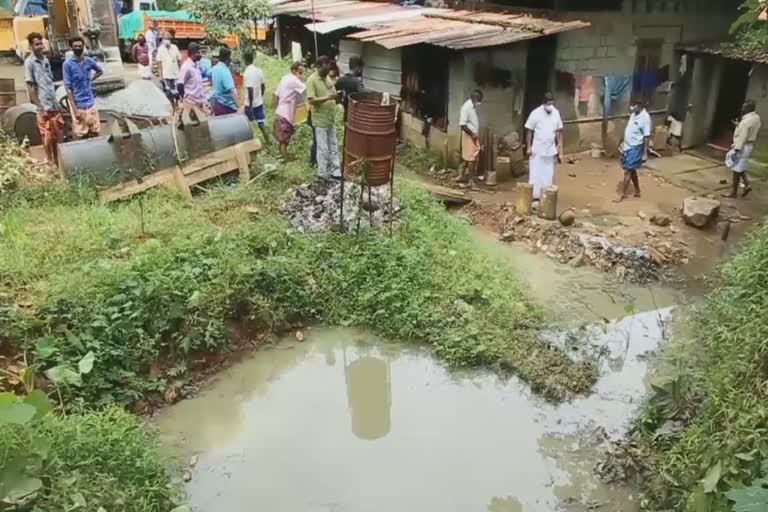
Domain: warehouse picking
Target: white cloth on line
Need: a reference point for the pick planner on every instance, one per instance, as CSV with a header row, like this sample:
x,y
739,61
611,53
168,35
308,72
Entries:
x,y
541,171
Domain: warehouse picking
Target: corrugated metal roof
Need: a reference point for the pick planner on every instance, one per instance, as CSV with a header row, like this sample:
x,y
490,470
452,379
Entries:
x,y
395,26
728,51
460,30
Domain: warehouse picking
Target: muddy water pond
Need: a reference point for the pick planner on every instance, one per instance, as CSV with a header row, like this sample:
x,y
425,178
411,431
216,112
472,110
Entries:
x,y
348,422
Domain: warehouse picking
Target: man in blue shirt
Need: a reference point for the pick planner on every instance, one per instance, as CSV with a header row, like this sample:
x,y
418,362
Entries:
x,y
224,97
634,149
78,79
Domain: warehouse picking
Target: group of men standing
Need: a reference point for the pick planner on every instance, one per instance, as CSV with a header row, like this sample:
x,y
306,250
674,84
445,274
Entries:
x,y
79,73
544,144
322,93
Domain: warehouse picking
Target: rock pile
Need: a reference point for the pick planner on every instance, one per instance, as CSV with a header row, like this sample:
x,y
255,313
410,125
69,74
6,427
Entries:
x,y
315,207
628,262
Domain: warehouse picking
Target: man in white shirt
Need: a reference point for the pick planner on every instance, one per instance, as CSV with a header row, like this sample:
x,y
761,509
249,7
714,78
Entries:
x,y
470,142
544,137
634,148
152,36
253,81
169,57
743,144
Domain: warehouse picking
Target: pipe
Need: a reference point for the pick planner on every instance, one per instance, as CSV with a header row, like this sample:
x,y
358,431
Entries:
x,y
110,161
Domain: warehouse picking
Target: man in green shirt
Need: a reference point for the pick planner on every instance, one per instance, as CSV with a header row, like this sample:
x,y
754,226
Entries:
x,y
322,99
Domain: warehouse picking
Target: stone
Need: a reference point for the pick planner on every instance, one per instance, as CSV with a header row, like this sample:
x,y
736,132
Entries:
x,y
577,260
567,217
642,215
700,211
661,220
507,236
299,336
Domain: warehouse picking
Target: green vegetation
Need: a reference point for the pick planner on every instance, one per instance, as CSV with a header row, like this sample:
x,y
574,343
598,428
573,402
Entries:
x,y
98,461
716,389
91,281
111,306
750,33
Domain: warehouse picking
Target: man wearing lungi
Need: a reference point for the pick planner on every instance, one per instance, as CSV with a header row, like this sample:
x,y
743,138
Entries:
x,y
79,74
289,93
470,142
634,149
743,144
544,130
42,92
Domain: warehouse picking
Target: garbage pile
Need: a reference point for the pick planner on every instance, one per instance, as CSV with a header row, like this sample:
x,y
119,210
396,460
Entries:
x,y
576,247
314,207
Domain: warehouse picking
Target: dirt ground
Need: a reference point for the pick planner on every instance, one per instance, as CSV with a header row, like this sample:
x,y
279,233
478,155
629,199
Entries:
x,y
589,186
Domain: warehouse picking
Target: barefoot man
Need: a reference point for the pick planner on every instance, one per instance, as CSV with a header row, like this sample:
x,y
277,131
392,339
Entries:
x,y
42,92
634,149
544,137
470,131
743,144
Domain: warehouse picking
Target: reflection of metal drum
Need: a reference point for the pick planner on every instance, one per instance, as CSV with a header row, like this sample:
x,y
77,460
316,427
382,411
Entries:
x,y
369,396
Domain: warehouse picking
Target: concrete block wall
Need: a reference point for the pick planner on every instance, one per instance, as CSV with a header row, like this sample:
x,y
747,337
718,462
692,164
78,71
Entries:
x,y
501,110
609,47
758,91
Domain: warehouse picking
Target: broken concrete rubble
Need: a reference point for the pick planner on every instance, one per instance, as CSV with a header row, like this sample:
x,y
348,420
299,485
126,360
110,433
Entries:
x,y
700,212
314,207
583,244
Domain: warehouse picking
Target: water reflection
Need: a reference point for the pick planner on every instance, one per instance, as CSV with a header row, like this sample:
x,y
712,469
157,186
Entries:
x,y
346,422
369,396
508,504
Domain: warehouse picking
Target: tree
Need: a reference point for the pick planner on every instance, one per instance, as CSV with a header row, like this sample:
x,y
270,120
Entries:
x,y
750,32
224,17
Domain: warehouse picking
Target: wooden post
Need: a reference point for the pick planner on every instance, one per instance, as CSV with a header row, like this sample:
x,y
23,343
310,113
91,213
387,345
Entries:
x,y
278,41
181,183
243,157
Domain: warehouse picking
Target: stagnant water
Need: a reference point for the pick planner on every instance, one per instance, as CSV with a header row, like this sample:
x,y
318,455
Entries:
x,y
348,422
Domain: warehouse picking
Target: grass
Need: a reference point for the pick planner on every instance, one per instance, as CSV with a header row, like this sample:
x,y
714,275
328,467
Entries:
x,y
82,278
105,460
719,393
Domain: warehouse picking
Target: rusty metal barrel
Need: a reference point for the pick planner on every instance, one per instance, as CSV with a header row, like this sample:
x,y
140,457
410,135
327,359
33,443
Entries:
x,y
369,141
21,122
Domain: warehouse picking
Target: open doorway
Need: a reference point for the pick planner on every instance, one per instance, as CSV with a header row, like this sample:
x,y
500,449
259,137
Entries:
x,y
539,65
730,97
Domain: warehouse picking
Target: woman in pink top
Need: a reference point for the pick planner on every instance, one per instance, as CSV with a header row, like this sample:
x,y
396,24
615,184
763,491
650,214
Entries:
x,y
287,94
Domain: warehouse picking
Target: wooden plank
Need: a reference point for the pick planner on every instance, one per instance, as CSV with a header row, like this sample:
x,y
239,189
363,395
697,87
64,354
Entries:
x,y
445,194
243,157
203,162
134,187
181,183
211,172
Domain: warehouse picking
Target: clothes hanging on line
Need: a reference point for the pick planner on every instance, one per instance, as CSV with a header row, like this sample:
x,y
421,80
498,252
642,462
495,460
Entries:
x,y
614,88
